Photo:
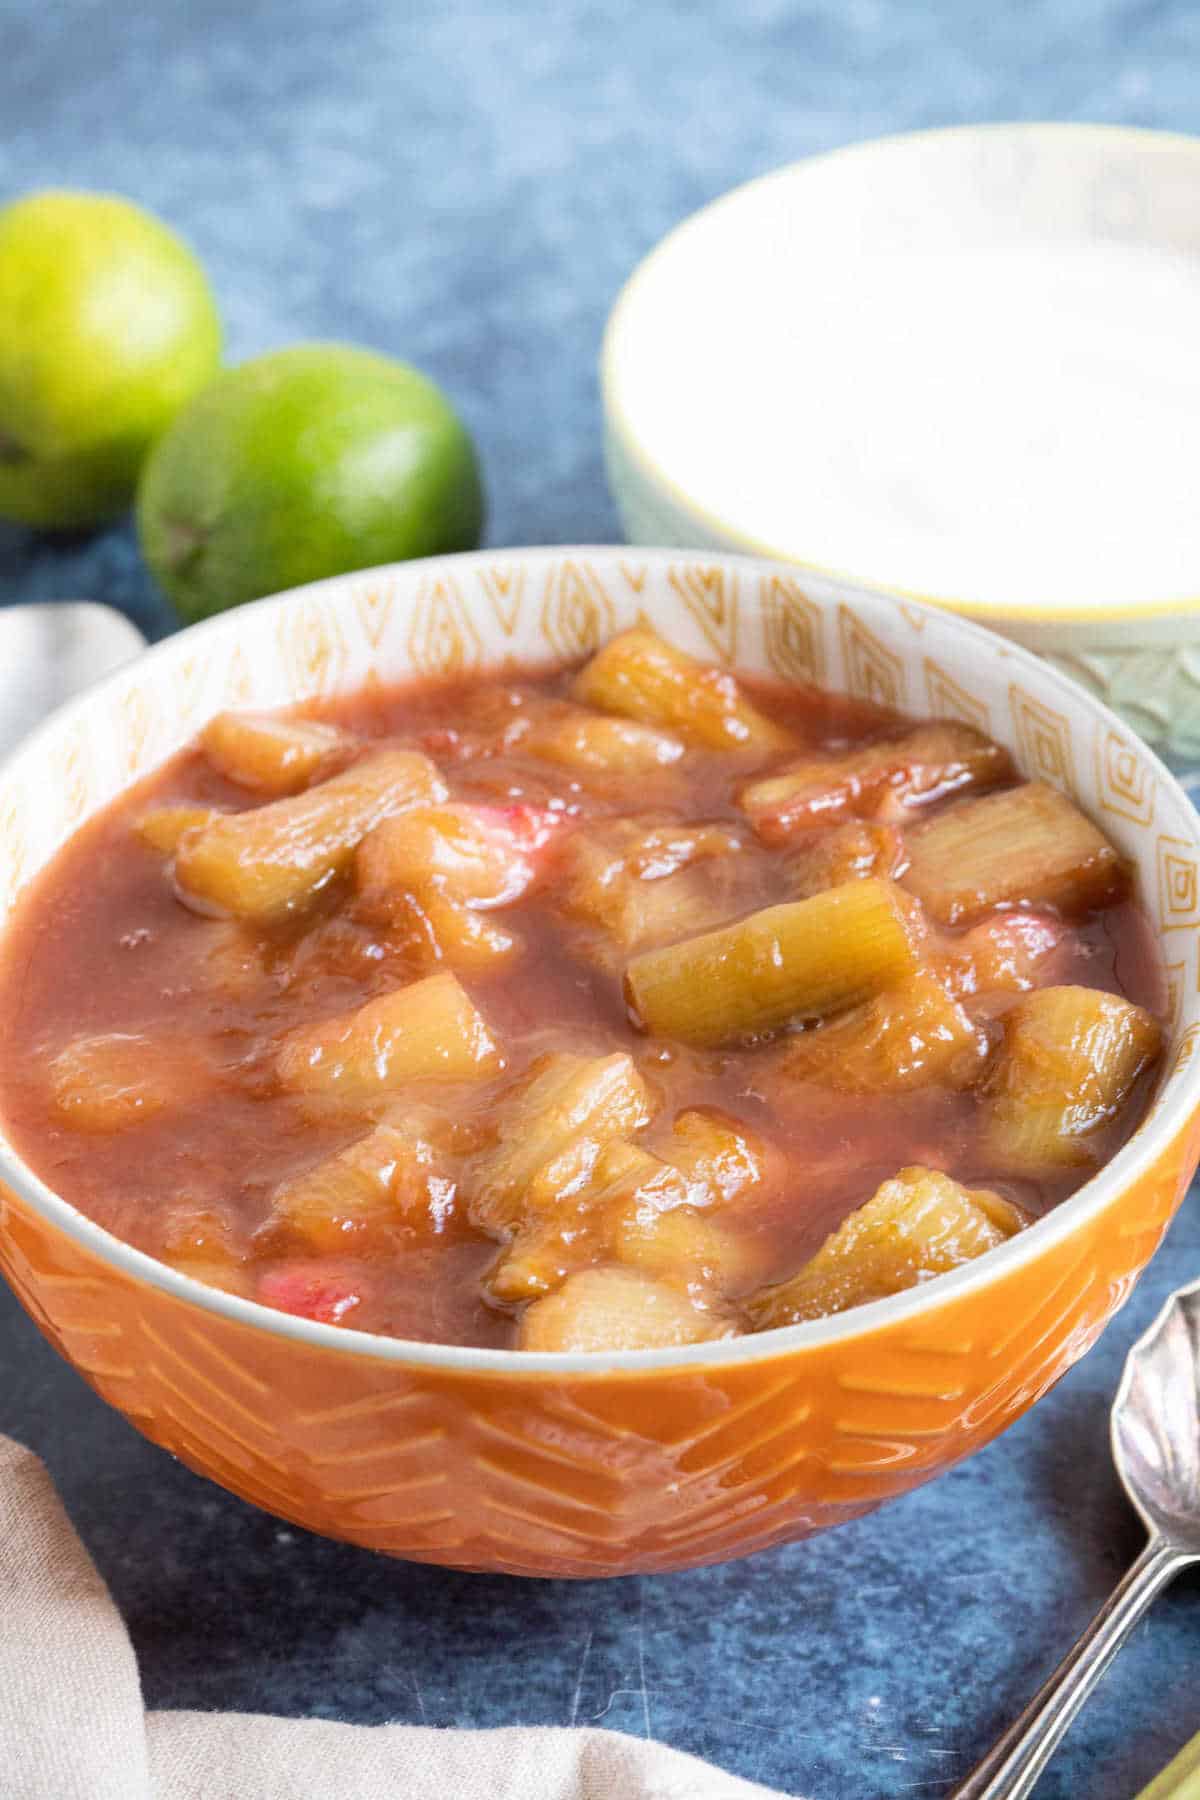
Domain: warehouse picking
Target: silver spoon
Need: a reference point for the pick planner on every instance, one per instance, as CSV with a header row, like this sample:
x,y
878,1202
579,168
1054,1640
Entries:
x,y
1156,1447
51,649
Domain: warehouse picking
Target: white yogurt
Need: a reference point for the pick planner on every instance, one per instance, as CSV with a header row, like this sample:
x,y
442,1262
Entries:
x,y
1014,425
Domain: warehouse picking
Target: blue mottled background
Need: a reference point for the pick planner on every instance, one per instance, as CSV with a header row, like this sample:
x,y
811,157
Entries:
x,y
467,187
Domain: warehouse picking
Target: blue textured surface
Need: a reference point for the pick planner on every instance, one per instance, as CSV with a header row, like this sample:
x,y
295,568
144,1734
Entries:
x,y
467,187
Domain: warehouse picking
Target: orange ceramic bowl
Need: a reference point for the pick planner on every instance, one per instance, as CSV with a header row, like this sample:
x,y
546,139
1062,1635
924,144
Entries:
x,y
648,1460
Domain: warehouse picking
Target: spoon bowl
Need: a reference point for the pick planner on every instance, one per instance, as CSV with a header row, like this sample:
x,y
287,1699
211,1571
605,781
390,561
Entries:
x,y
49,650
1156,1424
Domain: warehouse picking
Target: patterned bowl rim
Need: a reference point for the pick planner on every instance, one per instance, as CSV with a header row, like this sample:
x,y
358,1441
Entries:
x,y
734,540
1178,1099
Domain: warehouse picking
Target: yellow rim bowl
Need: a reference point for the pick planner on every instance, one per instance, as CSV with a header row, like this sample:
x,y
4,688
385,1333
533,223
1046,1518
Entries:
x,y
971,186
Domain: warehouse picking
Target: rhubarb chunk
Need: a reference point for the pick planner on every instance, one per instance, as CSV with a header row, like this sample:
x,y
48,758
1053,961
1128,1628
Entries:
x,y
480,856
1070,1058
551,1133
120,1078
393,1174
1028,844
430,1031
687,1248
720,1158
621,1206
885,779
855,851
643,885
917,1225
590,742
199,1241
274,755
1009,953
616,1309
312,1290
640,676
264,863
802,960
914,1034
164,827
431,872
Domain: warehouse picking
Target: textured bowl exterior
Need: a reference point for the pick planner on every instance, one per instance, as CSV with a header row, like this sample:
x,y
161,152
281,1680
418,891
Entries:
x,y
588,1475
647,1461
995,184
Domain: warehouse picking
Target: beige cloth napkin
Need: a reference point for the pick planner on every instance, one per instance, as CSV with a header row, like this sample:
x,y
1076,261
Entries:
x,y
73,1727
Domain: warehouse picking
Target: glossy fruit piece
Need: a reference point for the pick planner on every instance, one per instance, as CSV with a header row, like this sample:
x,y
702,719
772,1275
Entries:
x,y
640,676
164,827
200,1242
1028,845
310,1291
1010,952
1069,1061
602,1196
479,856
642,885
855,851
428,1031
687,1248
915,1226
914,1034
889,778
550,1132
115,1079
615,1309
721,1158
432,930
375,1182
802,960
578,1223
273,755
270,860
579,739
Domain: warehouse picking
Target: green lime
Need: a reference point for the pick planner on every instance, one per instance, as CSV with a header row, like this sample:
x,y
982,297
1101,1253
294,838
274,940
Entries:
x,y
107,327
301,464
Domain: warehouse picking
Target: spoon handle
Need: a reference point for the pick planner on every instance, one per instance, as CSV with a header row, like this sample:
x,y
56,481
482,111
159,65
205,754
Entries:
x,y
1015,1761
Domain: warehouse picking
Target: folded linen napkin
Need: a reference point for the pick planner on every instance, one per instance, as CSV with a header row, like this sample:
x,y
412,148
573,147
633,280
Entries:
x,y
73,1727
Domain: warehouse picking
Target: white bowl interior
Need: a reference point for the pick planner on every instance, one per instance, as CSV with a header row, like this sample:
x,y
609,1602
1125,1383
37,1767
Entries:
x,y
453,615
963,364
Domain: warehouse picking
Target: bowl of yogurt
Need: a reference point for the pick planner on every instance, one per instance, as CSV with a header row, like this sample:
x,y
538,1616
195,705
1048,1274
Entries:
x,y
962,366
